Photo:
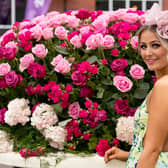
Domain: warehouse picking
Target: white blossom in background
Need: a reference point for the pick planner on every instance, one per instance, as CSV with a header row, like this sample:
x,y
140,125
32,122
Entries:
x,y
6,144
18,112
56,136
125,129
43,116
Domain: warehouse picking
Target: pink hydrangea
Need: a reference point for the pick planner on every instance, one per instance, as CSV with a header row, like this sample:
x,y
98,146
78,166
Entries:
x,y
122,83
137,71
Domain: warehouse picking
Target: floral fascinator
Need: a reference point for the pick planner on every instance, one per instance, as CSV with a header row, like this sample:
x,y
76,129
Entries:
x,y
155,16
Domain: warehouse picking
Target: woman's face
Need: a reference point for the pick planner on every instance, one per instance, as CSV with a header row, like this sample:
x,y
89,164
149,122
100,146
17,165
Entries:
x,y
153,52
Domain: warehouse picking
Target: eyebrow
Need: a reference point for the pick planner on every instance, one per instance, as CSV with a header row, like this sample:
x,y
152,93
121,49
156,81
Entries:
x,y
150,41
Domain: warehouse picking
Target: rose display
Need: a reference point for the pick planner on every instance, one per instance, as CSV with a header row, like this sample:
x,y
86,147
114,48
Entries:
x,y
71,81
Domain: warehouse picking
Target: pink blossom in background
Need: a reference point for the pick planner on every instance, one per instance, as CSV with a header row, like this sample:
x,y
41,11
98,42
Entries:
x,y
12,44
73,22
4,69
61,32
87,136
122,83
108,42
12,79
78,78
137,71
39,50
63,66
130,17
56,60
134,42
25,61
73,110
47,33
104,61
94,41
36,32
76,41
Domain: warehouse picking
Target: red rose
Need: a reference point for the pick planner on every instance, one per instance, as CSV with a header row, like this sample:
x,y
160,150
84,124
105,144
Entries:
x,y
121,106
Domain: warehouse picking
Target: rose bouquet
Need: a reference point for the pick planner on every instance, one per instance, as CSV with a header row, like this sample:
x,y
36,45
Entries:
x,y
65,79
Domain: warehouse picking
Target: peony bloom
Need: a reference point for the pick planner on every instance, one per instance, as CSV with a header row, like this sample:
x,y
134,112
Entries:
x,y
61,32
18,112
122,83
43,116
125,129
137,71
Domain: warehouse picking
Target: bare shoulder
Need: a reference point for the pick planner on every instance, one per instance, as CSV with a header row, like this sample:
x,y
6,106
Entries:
x,y
161,87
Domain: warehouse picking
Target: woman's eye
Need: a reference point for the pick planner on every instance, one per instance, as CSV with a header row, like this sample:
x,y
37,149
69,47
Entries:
x,y
155,45
143,46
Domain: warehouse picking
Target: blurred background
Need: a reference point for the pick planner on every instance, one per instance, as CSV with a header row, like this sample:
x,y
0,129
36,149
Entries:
x,y
17,10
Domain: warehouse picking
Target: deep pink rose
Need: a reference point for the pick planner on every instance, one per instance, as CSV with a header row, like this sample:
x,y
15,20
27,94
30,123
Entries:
x,y
121,106
115,142
3,83
122,83
83,14
87,136
102,147
115,52
12,79
86,92
78,78
119,64
2,115
37,70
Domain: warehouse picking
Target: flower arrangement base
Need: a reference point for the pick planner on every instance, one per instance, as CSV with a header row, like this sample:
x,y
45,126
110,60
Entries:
x,y
59,160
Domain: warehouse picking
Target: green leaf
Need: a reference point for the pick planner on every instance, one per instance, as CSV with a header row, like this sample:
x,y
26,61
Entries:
x,y
92,143
61,50
140,93
92,59
107,81
57,108
100,93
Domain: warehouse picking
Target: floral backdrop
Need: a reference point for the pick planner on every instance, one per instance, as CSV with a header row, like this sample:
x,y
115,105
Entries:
x,y
71,81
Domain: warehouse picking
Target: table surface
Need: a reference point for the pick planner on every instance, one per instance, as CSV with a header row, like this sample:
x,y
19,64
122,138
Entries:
x,y
59,160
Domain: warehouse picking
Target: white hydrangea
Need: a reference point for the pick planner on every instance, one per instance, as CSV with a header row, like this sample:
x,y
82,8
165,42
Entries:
x,y
56,136
18,112
43,116
6,145
125,129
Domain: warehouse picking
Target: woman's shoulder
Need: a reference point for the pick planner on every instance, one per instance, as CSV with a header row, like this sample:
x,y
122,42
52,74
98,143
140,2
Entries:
x,y
161,85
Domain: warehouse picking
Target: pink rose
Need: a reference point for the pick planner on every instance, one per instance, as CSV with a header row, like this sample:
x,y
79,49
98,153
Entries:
x,y
61,32
137,72
108,42
39,50
25,61
36,32
131,17
134,42
122,83
63,66
4,69
76,41
73,22
74,109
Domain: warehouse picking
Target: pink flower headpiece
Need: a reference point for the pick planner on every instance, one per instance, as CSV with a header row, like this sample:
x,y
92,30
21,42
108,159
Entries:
x,y
155,16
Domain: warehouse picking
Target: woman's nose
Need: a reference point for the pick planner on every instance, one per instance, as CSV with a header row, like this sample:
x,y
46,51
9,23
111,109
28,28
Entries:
x,y
148,51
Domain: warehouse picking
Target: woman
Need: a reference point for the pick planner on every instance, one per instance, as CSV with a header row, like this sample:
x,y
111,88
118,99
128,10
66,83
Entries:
x,y
150,140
